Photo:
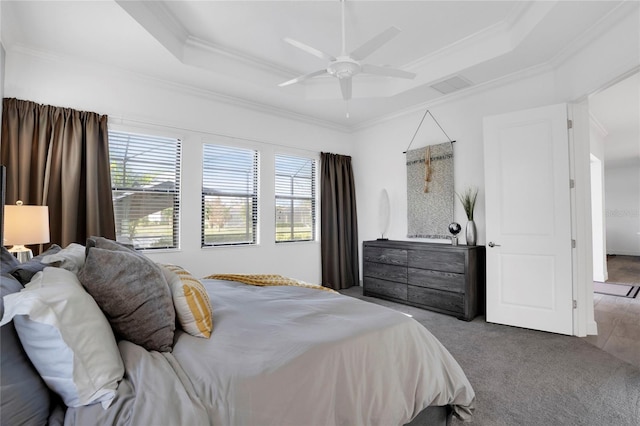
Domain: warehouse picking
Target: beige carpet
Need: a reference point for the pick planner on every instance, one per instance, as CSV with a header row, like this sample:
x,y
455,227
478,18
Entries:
x,y
623,269
624,277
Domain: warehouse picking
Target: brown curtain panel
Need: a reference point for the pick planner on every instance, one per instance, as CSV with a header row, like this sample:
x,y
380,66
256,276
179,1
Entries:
x,y
59,157
338,223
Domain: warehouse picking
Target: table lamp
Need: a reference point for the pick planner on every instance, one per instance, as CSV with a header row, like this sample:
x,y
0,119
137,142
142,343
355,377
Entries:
x,y
25,225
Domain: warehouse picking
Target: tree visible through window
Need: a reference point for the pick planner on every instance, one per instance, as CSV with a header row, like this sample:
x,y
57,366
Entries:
x,y
229,195
145,183
295,198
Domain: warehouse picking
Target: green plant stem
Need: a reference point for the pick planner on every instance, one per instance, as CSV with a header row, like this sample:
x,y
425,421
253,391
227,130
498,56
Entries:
x,y
468,200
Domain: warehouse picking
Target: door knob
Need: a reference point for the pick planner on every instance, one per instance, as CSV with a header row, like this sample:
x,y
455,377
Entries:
x,y
492,244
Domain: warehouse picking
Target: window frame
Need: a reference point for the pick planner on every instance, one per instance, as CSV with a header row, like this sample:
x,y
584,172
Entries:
x,y
292,198
254,197
176,191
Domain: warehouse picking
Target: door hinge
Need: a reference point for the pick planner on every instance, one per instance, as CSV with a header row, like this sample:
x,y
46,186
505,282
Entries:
x,y
573,243
569,124
575,304
572,183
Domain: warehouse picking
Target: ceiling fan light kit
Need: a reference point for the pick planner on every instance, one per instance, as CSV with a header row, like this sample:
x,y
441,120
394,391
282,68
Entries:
x,y
345,66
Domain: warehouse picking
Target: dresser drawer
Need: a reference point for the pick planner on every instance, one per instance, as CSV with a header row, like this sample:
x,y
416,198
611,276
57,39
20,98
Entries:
x,y
446,261
385,255
439,277
375,286
386,272
436,279
453,302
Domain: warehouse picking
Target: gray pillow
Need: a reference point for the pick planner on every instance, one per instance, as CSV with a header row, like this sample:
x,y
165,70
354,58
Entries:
x,y
133,294
24,397
27,270
107,244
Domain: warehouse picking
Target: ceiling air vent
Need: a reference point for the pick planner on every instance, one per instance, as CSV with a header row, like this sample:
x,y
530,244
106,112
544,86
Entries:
x,y
451,84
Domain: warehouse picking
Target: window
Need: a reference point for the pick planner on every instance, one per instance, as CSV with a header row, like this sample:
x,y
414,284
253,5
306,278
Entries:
x,y
295,198
145,182
229,195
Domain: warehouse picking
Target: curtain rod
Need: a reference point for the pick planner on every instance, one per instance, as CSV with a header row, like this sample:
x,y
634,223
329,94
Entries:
x,y
419,125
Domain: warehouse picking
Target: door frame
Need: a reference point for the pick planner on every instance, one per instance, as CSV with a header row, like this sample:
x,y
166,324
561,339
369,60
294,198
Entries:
x,y
581,223
597,216
580,158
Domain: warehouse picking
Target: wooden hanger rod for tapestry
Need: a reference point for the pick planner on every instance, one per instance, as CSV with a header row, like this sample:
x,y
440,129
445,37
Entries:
x,y
419,125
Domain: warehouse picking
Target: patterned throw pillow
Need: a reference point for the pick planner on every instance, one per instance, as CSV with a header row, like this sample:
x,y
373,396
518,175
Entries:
x,y
190,300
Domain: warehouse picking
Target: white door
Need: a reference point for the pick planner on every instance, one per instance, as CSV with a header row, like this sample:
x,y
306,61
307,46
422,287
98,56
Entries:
x,y
528,215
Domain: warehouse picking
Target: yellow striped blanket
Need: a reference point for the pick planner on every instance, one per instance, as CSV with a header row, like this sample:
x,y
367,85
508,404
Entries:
x,y
266,280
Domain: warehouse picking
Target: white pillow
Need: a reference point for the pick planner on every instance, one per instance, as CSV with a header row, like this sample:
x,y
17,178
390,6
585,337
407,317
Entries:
x,y
70,258
67,337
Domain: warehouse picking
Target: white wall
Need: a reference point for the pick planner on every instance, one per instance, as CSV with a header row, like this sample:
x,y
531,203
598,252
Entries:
x,y
622,201
379,161
579,71
2,72
597,140
138,104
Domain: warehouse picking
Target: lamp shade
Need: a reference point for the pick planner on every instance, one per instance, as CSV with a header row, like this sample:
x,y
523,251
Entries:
x,y
26,225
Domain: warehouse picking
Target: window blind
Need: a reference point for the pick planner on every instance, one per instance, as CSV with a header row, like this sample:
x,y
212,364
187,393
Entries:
x,y
145,183
295,189
229,195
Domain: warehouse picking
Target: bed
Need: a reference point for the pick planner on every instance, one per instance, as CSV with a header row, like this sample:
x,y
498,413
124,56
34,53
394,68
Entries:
x,y
276,355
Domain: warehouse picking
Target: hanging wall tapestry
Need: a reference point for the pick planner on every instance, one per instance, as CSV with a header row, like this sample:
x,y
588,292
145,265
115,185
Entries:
x,y
430,191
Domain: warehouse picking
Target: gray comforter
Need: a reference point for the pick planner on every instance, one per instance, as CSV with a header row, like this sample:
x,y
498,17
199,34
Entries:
x,y
287,356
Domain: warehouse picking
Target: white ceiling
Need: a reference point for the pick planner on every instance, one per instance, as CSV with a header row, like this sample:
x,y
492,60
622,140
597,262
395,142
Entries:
x,y
617,110
235,48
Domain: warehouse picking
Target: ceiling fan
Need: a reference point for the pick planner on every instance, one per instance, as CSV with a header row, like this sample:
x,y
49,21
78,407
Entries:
x,y
346,65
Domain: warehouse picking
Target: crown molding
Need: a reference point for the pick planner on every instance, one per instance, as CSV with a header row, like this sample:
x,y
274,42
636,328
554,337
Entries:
x,y
604,24
156,19
517,15
458,95
182,88
589,35
203,47
494,40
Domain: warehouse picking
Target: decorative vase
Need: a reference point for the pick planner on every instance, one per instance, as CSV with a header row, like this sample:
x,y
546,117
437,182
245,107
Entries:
x,y
470,233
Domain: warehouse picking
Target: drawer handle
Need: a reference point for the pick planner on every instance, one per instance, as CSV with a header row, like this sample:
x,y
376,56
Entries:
x,y
492,244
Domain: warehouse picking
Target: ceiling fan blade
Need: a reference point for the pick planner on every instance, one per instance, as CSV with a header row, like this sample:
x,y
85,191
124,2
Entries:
x,y
345,88
309,49
386,71
303,78
369,47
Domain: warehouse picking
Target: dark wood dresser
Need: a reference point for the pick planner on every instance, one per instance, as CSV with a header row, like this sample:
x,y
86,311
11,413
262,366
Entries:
x,y
439,277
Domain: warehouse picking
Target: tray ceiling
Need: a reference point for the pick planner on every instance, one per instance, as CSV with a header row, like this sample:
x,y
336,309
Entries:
x,y
235,48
